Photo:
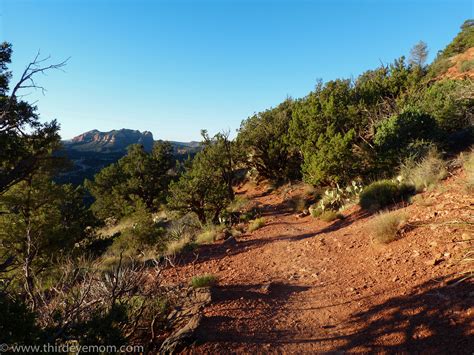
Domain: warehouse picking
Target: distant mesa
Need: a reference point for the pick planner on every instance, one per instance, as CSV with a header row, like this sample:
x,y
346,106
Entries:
x,y
112,141
91,151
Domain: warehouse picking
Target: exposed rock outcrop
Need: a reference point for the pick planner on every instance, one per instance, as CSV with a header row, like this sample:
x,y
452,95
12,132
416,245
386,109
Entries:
x,y
114,140
186,319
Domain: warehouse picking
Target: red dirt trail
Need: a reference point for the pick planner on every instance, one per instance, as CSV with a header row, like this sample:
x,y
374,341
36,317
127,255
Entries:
x,y
300,285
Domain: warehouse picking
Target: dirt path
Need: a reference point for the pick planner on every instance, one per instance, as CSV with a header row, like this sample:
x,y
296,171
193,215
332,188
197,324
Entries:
x,y
303,285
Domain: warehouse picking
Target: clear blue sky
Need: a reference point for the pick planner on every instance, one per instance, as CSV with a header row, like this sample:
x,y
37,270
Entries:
x,y
174,67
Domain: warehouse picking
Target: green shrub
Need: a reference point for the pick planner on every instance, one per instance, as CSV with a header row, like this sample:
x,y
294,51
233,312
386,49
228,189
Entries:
x,y
331,160
463,40
383,193
439,67
139,232
467,65
124,187
205,280
329,216
385,227
395,137
204,188
315,211
448,102
248,215
425,174
256,224
263,137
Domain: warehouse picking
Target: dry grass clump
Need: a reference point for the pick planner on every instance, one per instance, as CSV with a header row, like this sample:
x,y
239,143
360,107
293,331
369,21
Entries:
x,y
297,203
206,237
236,232
422,201
256,224
115,228
238,204
309,190
385,227
425,174
205,280
469,258
468,162
209,234
329,216
175,247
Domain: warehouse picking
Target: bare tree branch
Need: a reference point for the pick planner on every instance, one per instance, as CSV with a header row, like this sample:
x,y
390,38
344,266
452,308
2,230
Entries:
x,y
27,81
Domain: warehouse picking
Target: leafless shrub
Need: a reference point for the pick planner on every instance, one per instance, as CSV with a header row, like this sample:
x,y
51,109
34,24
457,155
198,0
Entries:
x,y
84,291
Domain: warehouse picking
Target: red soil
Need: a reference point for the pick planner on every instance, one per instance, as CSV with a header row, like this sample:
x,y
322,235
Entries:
x,y
300,285
454,72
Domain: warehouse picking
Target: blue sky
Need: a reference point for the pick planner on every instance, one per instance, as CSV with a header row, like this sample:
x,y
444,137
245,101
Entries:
x,y
174,67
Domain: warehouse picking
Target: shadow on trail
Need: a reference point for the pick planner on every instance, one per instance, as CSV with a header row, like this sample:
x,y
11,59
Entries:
x,y
273,292
332,227
244,243
436,317
253,304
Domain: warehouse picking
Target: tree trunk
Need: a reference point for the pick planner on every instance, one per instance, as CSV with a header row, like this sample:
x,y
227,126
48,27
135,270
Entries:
x,y
201,215
29,252
215,220
29,280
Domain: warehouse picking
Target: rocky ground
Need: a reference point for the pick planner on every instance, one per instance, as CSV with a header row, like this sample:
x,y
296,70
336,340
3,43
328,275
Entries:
x,y
302,285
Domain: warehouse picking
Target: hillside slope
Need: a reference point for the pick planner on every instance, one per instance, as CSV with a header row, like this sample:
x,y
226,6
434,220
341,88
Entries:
x,y
303,285
461,66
